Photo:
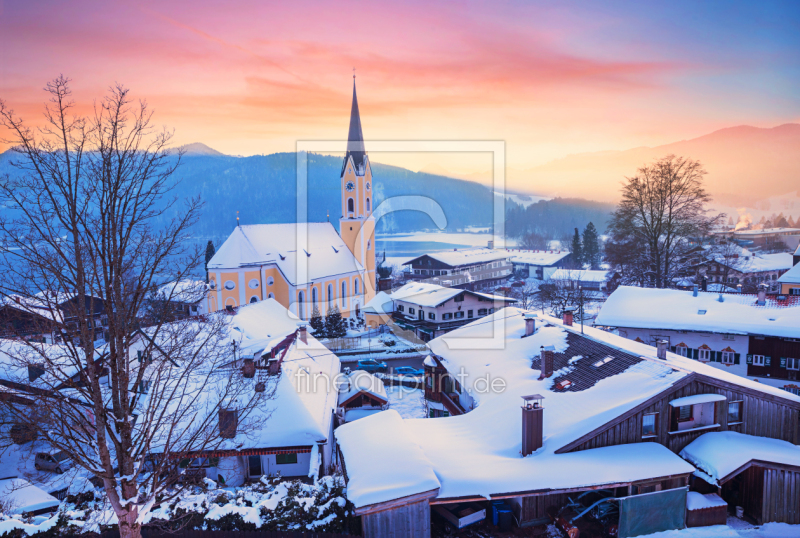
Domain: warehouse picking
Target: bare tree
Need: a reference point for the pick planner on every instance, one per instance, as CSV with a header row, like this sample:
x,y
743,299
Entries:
x,y
524,295
533,241
662,210
556,295
90,216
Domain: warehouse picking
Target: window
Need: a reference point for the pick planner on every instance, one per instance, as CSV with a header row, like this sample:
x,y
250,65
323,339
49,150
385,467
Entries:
x,y
300,309
412,310
459,315
344,291
482,311
230,284
350,205
286,459
727,357
650,425
271,296
254,465
228,422
356,291
330,294
758,360
253,283
735,412
728,337
447,315
685,413
253,299
431,315
270,281
704,355
368,210
400,308
792,363
683,351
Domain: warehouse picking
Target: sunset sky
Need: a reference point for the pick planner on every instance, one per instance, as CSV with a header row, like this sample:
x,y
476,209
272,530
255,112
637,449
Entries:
x,y
549,78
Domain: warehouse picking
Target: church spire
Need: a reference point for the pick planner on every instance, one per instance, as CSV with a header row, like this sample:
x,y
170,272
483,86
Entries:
x,y
355,137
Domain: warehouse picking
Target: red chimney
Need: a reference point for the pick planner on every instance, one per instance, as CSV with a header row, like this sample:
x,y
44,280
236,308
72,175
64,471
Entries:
x,y
546,361
568,315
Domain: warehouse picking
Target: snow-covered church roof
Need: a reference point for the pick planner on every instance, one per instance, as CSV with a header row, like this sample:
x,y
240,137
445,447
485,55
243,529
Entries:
x,y
324,254
649,308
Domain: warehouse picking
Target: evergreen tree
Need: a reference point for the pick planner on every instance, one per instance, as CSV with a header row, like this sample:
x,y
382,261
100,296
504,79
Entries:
x,y
317,324
591,246
210,251
577,250
334,324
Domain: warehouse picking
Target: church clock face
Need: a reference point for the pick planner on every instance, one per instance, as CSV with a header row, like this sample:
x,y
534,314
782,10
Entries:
x,y
350,186
368,186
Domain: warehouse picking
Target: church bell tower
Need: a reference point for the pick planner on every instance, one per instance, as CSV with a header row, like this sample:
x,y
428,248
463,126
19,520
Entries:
x,y
357,226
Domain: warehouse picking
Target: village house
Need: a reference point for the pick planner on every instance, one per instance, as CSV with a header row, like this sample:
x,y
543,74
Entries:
x,y
181,299
597,282
629,424
361,394
790,280
469,269
769,239
755,336
290,434
430,310
306,265
538,264
747,269
51,317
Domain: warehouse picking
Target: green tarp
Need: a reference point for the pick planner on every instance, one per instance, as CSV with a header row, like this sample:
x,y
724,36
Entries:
x,y
652,512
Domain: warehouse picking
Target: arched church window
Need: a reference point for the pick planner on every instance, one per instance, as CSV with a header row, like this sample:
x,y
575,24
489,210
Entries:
x,y
314,296
253,299
330,295
350,205
355,287
344,291
300,310
368,206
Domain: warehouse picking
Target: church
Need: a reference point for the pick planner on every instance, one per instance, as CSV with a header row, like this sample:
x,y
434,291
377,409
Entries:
x,y
261,261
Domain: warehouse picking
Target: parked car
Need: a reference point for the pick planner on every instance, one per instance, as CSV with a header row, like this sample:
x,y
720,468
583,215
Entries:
x,y
52,461
371,365
408,371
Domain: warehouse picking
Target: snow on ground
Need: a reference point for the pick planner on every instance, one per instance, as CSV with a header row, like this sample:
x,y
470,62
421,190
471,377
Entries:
x,y
410,403
770,530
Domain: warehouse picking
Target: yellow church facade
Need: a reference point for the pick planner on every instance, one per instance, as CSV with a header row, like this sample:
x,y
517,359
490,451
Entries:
x,y
263,261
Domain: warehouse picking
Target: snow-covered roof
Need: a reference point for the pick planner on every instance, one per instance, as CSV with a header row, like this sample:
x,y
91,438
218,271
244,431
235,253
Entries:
x,y
361,381
305,397
254,245
580,275
792,276
432,295
22,496
382,462
766,262
33,305
698,501
537,257
380,304
184,291
679,310
790,231
57,361
718,454
478,453
466,256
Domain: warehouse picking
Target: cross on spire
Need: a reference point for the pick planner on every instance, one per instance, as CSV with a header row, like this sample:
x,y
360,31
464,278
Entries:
x,y
354,73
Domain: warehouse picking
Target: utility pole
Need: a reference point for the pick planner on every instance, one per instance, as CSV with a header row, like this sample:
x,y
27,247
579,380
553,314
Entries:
x,y
580,289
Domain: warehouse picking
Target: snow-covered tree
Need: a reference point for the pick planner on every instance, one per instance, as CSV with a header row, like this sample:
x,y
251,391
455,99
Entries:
x,y
334,324
576,248
317,324
591,247
83,217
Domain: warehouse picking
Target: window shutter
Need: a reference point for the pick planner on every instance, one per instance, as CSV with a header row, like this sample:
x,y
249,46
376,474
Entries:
x,y
736,357
694,354
783,362
139,355
749,359
767,361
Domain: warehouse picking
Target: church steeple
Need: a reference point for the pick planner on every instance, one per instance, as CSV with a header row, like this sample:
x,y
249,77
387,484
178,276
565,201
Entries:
x,y
355,137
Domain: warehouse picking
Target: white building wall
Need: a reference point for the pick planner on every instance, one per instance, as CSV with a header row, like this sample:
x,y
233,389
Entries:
x,y
717,342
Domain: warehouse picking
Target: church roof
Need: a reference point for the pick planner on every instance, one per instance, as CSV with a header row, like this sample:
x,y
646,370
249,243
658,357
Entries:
x,y
261,244
355,137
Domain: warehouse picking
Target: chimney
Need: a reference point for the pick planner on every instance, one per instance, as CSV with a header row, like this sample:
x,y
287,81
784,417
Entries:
x,y
302,331
532,422
568,315
762,295
491,244
249,368
662,349
546,361
705,283
530,323
694,291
